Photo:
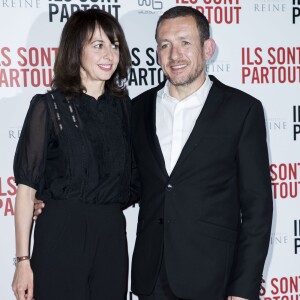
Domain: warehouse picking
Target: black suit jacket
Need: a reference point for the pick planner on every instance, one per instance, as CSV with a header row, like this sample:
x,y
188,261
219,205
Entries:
x,y
211,218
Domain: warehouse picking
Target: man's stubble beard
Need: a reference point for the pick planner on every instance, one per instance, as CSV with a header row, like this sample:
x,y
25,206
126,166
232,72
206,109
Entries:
x,y
189,80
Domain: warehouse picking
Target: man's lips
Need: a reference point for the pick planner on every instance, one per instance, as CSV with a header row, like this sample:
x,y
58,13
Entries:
x,y
178,66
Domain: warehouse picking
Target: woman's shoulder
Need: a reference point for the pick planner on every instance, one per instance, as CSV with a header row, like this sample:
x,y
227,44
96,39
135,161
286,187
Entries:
x,y
121,96
39,101
126,102
46,100
42,98
126,99
123,100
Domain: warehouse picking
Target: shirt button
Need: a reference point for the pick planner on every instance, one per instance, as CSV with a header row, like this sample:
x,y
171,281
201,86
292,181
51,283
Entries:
x,y
169,187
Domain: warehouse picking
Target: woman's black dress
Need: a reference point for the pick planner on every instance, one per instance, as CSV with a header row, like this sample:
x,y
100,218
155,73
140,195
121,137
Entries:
x,y
76,154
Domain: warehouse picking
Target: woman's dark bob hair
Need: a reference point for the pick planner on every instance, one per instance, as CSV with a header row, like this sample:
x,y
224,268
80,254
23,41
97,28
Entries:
x,y
77,31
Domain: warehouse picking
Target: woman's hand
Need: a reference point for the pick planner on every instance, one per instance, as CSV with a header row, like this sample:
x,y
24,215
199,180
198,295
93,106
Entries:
x,y
22,284
38,207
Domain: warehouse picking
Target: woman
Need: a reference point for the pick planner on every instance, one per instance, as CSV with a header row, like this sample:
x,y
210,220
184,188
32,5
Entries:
x,y
74,153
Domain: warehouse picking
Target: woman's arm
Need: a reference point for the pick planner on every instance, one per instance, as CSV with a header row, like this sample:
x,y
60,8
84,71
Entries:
x,y
22,284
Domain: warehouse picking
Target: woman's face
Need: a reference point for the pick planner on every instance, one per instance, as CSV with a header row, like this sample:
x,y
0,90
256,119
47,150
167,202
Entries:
x,y
99,58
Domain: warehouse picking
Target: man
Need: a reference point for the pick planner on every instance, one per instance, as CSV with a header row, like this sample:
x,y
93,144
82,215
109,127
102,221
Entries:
x,y
200,148
201,155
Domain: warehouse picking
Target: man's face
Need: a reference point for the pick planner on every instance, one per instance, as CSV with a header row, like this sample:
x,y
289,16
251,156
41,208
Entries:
x,y
180,53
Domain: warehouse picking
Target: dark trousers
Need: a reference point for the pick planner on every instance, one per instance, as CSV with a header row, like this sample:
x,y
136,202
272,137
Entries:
x,y
162,289
80,252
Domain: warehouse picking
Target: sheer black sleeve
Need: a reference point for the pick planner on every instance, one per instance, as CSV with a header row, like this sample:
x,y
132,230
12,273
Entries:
x,y
30,156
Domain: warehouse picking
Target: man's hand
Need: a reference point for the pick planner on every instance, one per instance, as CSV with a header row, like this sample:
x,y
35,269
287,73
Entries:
x,y
235,298
38,207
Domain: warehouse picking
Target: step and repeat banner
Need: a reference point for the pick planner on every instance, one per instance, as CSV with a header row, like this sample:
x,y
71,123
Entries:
x,y
258,51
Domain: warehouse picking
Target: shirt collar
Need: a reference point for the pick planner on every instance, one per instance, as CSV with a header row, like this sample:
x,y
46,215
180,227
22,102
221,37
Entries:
x,y
201,94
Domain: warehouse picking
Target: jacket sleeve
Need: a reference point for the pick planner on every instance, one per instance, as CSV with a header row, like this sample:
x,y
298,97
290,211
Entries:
x,y
135,185
255,197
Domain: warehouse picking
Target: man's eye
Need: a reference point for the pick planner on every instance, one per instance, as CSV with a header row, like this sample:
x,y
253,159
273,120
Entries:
x,y
164,46
186,43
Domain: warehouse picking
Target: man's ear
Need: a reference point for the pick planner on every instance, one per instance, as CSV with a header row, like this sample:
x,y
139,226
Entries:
x,y
209,48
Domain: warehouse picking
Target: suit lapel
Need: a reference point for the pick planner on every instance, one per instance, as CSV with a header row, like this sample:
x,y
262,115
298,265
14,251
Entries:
x,y
205,120
150,125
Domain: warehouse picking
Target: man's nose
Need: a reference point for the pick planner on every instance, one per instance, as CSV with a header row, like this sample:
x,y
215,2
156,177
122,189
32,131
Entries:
x,y
175,53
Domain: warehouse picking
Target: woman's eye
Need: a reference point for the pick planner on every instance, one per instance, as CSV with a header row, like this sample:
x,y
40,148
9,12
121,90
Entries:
x,y
115,46
98,46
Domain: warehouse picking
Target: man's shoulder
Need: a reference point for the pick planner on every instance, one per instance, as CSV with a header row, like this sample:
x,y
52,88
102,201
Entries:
x,y
233,94
148,94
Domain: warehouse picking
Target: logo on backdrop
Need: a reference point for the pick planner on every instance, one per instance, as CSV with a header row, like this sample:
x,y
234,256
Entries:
x,y
216,11
25,67
270,65
152,74
14,133
218,67
8,192
152,6
61,10
270,6
296,122
276,125
285,179
296,236
296,11
20,4
279,239
280,288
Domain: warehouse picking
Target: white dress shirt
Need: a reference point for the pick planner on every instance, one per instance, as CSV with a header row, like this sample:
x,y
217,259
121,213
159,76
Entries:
x,y
176,119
